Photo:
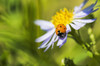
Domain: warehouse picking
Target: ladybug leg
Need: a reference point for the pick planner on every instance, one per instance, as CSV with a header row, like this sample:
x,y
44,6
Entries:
x,y
61,35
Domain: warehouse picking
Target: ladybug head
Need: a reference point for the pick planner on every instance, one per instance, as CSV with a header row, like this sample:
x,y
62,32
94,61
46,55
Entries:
x,y
61,35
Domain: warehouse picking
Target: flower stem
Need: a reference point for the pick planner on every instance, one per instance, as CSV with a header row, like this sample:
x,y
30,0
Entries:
x,y
78,39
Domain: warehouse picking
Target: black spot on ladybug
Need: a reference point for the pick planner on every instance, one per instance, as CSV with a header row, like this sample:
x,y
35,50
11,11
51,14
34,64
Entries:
x,y
59,31
60,26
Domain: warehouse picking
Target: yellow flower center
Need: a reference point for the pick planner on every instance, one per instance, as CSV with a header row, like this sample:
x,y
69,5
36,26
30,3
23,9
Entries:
x,y
63,17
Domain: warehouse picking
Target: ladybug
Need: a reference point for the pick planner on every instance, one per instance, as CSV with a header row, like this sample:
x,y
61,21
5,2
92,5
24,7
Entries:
x,y
61,30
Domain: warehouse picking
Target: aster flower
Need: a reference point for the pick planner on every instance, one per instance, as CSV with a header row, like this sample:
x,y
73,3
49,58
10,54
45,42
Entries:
x,y
63,19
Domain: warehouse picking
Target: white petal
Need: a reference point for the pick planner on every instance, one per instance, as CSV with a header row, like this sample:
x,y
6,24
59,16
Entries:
x,y
52,46
78,8
56,39
45,25
68,28
61,41
64,41
43,45
83,13
84,20
80,24
45,36
51,42
75,26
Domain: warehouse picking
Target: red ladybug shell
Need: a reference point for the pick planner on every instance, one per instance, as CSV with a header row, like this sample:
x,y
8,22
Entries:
x,y
60,28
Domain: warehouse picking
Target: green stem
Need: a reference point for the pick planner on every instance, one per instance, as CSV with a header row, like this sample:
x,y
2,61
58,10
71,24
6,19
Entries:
x,y
78,39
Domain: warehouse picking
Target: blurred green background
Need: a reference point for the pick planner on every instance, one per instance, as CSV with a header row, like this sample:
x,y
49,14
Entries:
x,y
18,33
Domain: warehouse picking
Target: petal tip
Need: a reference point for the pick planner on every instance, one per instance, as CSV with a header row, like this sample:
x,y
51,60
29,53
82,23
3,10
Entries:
x,y
35,22
39,48
45,50
37,40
